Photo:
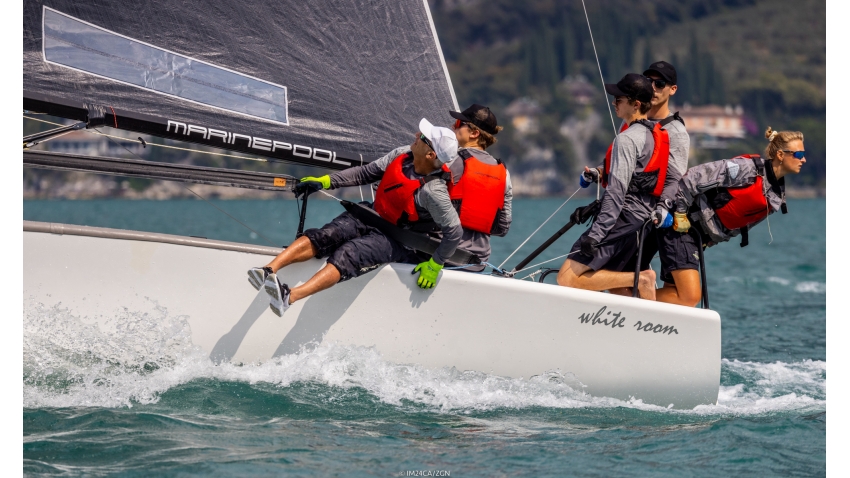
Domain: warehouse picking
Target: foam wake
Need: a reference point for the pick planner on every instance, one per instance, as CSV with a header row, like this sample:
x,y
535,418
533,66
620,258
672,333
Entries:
x,y
132,358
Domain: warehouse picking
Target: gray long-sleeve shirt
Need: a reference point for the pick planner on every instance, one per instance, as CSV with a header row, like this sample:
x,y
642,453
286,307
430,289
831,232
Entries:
x,y
631,151
432,200
680,145
729,173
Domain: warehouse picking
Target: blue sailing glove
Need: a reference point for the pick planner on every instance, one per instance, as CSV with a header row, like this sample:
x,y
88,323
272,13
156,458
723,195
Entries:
x,y
428,272
661,218
588,177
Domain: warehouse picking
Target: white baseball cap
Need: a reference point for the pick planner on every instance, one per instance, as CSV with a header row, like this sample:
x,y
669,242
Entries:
x,y
443,139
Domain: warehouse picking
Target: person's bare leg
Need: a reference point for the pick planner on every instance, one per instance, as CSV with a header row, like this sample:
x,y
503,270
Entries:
x,y
324,279
580,276
687,290
299,251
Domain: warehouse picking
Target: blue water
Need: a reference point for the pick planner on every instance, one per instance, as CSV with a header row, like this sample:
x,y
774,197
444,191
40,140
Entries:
x,y
344,411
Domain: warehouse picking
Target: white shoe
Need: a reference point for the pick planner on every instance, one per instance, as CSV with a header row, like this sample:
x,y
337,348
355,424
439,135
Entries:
x,y
257,276
278,295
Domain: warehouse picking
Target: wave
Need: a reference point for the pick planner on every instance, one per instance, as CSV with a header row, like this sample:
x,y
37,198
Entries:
x,y
133,358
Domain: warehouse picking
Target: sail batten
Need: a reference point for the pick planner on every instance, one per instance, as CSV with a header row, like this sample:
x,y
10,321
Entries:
x,y
331,85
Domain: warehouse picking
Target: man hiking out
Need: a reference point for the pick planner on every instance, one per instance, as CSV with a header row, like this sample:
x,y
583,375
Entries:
x,y
479,184
412,190
633,178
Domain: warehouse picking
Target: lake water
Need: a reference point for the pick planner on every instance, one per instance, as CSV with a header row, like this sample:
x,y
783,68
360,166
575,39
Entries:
x,y
347,412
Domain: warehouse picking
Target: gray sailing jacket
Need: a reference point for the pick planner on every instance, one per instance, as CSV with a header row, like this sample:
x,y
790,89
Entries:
x,y
727,173
631,152
432,200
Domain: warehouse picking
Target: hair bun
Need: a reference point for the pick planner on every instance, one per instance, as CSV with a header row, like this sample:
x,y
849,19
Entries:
x,y
770,134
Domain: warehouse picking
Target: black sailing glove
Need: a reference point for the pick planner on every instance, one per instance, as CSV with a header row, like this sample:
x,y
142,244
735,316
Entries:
x,y
589,246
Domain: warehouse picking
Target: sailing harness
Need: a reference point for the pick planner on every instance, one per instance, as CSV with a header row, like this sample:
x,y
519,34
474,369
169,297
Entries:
x,y
479,194
651,178
739,208
395,199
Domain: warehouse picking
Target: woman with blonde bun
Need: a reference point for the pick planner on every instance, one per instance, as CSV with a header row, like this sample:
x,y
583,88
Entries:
x,y
724,199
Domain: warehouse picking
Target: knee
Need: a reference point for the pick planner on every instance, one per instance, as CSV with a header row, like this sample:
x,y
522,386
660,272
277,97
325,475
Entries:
x,y
566,278
690,296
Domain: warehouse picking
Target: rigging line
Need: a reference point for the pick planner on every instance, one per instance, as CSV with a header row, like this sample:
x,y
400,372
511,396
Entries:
x,y
545,262
360,187
231,217
330,195
608,104
159,145
768,224
196,194
538,228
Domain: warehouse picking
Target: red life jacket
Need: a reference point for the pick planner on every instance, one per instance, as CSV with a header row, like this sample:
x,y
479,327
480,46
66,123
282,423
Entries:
x,y
655,172
607,167
739,207
479,195
394,200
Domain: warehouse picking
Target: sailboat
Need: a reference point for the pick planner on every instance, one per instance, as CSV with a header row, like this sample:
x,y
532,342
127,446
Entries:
x,y
334,88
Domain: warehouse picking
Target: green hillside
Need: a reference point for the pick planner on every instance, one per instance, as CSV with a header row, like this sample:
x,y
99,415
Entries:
x,y
768,56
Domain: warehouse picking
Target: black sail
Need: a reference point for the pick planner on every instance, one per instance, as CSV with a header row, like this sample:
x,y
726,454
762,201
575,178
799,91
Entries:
x,y
322,83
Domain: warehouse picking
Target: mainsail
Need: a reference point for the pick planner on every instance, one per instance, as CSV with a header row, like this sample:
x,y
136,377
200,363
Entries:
x,y
334,84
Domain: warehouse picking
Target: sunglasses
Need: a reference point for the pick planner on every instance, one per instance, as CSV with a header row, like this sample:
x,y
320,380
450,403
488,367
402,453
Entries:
x,y
659,83
425,140
796,154
618,99
460,124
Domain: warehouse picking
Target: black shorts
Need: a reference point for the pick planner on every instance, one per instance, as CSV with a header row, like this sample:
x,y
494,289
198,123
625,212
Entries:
x,y
355,248
677,251
617,249
650,248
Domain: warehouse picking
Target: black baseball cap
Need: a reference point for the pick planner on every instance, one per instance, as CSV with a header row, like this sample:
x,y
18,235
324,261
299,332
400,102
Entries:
x,y
478,115
633,86
662,69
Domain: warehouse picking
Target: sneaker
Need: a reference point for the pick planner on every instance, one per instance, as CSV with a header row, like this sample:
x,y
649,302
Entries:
x,y
257,276
278,293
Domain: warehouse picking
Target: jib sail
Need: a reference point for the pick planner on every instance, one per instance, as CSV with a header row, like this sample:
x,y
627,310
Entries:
x,y
329,84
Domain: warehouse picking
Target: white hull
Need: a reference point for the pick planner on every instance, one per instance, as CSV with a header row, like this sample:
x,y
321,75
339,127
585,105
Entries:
x,y
472,322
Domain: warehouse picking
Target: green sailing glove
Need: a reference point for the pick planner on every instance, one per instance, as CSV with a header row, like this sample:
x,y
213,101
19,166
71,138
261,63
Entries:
x,y
324,180
428,272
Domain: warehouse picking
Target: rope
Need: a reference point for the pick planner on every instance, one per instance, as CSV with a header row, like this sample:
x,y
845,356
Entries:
x,y
485,264
330,195
360,187
600,68
538,228
545,262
